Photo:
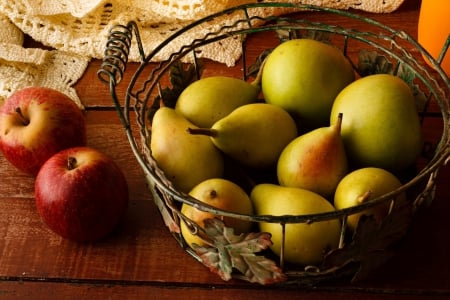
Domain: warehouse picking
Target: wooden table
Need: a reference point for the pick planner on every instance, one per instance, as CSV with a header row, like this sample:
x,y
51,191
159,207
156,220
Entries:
x,y
142,260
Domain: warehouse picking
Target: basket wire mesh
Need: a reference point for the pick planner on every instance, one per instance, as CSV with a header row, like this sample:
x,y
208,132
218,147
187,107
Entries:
x,y
146,84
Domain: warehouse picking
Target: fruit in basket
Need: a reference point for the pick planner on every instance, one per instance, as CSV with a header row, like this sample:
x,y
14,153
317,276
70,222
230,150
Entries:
x,y
315,161
253,134
209,99
363,185
381,126
185,159
305,243
304,76
81,194
37,122
222,194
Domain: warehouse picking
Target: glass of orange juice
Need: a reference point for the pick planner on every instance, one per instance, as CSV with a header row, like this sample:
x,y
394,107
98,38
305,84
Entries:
x,y
434,29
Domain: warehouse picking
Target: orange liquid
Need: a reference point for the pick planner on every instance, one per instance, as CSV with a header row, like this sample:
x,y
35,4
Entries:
x,y
434,29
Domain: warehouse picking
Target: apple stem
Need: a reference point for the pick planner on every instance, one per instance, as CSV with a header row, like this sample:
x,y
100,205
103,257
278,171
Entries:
x,y
203,131
71,162
24,120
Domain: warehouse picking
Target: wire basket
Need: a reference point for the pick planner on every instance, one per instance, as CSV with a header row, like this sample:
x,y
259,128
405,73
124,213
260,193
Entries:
x,y
395,52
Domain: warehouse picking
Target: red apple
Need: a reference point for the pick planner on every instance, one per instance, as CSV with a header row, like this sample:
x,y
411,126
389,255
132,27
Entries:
x,y
37,122
81,194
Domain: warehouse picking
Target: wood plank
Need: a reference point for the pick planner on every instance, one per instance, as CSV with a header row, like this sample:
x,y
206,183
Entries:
x,y
168,291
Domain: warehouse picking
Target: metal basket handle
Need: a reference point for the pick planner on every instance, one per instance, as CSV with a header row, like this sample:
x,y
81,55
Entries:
x,y
117,51
115,60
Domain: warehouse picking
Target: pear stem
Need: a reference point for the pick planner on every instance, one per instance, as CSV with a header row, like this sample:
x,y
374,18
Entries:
x,y
364,197
24,120
338,123
203,131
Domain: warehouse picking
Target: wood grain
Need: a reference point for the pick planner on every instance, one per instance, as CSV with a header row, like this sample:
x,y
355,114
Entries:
x,y
141,260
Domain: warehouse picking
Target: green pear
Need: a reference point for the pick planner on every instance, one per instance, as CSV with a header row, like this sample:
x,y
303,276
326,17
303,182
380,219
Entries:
x,y
304,76
185,159
363,185
305,243
381,126
315,161
209,99
222,194
253,134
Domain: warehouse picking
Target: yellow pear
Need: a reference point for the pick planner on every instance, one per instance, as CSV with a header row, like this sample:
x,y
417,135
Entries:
x,y
209,99
381,126
305,243
220,193
253,134
304,76
363,185
185,159
315,161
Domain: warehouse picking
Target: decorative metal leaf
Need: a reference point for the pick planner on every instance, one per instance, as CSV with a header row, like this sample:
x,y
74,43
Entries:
x,y
370,62
253,69
419,96
181,75
287,34
318,35
290,34
236,252
372,243
408,75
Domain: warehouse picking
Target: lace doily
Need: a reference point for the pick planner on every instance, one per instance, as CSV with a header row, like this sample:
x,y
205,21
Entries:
x,y
77,31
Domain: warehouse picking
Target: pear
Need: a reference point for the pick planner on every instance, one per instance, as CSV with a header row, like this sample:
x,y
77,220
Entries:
x,y
253,134
381,126
305,243
220,193
362,185
315,161
185,159
209,99
304,76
